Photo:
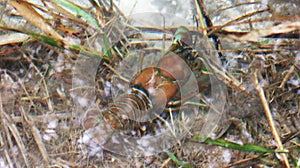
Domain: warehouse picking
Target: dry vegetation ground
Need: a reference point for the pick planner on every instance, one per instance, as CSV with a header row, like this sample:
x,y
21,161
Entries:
x,y
39,129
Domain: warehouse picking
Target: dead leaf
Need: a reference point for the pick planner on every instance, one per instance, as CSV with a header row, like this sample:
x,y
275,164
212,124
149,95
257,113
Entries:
x,y
30,14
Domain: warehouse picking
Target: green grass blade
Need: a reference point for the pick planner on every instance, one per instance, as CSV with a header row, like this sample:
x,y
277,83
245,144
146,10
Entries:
x,y
56,43
106,47
90,20
178,162
59,43
46,39
78,12
231,145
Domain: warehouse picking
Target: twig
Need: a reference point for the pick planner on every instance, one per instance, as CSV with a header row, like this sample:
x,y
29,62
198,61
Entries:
x,y
117,73
235,6
4,148
287,76
254,35
201,8
270,119
237,163
27,118
165,163
42,79
37,136
39,118
201,18
10,127
11,156
61,162
227,77
237,19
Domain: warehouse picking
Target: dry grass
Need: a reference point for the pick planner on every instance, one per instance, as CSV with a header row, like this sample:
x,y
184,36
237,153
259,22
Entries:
x,y
38,126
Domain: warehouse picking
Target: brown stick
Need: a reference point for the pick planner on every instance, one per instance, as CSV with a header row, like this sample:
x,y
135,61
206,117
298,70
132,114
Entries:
x,y
270,119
